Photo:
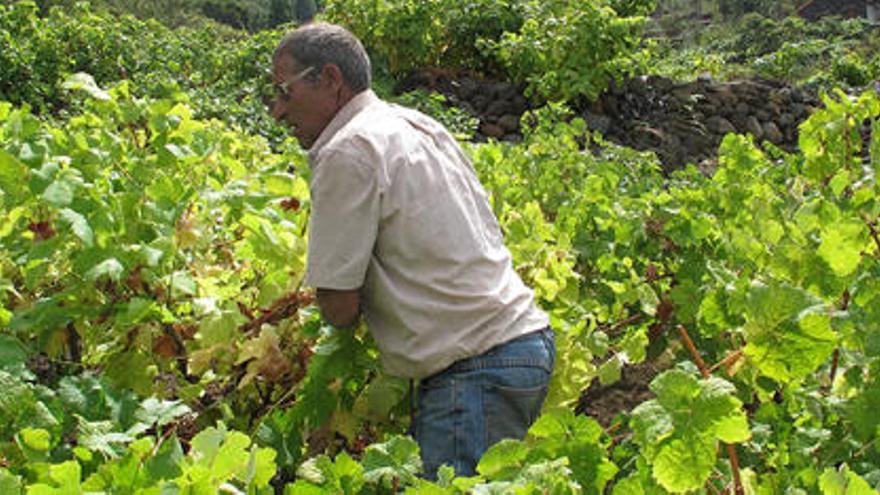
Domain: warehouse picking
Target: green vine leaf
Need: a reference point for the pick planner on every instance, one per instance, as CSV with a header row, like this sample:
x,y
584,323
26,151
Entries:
x,y
788,331
842,245
678,432
9,483
844,482
101,437
13,176
85,82
154,411
63,479
396,458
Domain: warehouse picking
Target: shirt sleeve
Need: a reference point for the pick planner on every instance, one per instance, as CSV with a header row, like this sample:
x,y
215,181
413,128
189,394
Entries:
x,y
343,222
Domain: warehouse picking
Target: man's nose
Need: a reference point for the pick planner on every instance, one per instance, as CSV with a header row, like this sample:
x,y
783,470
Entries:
x,y
276,109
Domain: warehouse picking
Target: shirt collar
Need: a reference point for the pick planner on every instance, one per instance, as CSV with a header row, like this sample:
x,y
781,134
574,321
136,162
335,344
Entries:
x,y
342,117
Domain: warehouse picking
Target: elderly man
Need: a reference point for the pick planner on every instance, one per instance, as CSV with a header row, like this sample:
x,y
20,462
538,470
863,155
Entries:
x,y
401,231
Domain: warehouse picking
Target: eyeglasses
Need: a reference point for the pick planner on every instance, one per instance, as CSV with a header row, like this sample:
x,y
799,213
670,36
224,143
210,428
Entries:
x,y
282,89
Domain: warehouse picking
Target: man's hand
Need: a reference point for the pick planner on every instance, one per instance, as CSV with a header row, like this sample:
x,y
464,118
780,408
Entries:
x,y
340,308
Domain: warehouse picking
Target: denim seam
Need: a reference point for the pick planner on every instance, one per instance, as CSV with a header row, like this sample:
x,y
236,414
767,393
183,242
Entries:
x,y
481,362
486,363
550,344
457,428
484,419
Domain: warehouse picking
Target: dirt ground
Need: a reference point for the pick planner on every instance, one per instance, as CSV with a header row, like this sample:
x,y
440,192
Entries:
x,y
604,403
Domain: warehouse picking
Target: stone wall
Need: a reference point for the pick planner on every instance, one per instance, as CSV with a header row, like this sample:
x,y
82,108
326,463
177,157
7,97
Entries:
x,y
681,122
685,122
816,9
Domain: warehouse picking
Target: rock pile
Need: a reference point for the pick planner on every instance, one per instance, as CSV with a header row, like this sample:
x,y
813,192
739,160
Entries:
x,y
682,122
685,122
816,9
497,105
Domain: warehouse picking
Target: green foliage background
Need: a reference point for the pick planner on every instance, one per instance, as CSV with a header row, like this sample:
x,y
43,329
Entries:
x,y
154,337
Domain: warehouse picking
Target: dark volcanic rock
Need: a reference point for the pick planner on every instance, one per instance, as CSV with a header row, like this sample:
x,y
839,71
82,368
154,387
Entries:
x,y
753,127
498,108
683,122
816,9
772,132
509,122
491,130
719,125
597,122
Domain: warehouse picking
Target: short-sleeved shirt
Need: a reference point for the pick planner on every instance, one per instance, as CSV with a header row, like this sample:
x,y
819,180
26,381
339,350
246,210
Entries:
x,y
397,210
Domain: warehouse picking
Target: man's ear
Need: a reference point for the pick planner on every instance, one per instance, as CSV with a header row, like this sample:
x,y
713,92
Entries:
x,y
331,74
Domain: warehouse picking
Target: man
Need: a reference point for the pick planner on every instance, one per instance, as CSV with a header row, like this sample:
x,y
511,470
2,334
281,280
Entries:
x,y
402,230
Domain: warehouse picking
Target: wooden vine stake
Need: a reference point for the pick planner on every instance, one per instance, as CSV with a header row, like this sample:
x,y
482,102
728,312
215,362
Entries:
x,y
704,370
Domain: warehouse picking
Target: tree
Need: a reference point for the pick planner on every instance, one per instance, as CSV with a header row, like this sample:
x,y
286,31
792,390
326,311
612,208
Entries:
x,y
280,12
305,10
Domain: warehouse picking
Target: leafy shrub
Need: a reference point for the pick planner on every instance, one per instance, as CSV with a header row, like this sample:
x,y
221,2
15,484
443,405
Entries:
x,y
172,13
470,23
569,49
401,34
791,62
36,52
633,7
738,8
219,70
231,13
822,53
561,48
253,15
755,34
850,71
410,34
686,63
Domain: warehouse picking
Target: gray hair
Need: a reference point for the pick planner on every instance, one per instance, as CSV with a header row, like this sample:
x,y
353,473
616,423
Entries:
x,y
318,44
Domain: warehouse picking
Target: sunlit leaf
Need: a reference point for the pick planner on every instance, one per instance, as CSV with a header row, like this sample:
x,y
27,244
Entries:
x,y
842,244
85,82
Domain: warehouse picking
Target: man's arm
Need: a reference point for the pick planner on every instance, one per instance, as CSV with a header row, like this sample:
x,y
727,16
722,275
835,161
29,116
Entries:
x,y
340,308
343,226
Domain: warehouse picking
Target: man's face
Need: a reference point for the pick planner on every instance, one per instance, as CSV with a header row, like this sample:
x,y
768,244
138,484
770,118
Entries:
x,y
302,101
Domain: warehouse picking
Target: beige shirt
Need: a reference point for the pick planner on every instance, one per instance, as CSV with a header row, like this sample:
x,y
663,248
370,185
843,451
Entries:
x,y
398,210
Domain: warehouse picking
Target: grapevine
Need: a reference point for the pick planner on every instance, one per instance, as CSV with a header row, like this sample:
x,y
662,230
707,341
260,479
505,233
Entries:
x,y
155,335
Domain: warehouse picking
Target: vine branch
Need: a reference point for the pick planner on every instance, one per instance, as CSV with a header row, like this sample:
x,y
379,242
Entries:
x,y
731,450
835,360
682,331
875,233
613,330
727,362
179,352
280,309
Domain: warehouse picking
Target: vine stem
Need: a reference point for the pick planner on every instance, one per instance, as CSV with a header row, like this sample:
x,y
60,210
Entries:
x,y
685,336
613,428
714,490
734,466
835,362
864,449
731,450
875,234
165,435
844,305
728,361
612,330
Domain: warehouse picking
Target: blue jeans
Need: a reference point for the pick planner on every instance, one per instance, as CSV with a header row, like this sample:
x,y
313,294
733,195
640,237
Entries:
x,y
478,401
